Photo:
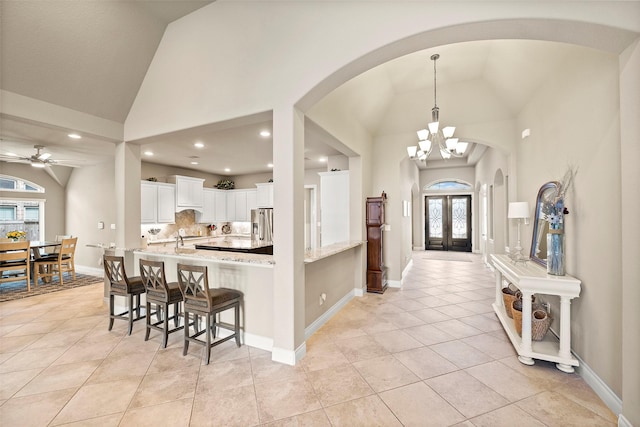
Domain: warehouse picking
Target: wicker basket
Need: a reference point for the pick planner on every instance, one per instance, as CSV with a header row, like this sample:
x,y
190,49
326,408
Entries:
x,y
516,309
508,296
540,322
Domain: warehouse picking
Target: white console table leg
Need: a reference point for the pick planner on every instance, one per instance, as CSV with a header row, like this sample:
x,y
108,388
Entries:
x,y
526,329
499,300
565,334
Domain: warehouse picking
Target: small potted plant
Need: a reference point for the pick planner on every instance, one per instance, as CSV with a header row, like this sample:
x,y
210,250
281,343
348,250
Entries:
x,y
225,184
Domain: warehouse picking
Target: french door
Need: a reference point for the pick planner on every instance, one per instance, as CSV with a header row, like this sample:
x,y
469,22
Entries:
x,y
448,223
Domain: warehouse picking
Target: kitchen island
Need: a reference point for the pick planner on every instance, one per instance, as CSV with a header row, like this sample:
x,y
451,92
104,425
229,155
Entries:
x,y
329,274
251,274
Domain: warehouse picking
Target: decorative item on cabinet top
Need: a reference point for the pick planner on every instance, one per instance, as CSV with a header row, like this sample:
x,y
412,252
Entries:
x,y
225,184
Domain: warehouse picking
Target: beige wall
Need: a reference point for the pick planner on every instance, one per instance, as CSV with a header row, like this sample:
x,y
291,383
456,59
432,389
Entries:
x,y
161,172
90,199
630,153
334,277
574,121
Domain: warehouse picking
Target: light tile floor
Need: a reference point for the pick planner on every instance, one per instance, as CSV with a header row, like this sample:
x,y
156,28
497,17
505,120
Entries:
x,y
431,354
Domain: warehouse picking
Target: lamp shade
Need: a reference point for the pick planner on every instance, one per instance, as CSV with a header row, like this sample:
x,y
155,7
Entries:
x,y
518,210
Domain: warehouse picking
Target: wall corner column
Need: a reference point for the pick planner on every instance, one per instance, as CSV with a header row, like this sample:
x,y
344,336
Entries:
x,y
127,192
288,248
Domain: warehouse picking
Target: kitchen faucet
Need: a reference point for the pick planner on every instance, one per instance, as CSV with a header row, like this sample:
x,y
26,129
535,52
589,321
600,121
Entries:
x,y
179,239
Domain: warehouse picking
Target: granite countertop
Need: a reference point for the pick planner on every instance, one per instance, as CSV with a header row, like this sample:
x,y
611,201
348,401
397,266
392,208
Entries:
x,y
237,243
219,256
327,251
203,238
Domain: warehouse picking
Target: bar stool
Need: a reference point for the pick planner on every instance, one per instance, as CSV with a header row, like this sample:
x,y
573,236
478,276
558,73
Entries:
x,y
162,295
202,301
121,285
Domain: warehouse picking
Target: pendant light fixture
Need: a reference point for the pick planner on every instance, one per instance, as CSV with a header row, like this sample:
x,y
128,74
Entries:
x,y
435,136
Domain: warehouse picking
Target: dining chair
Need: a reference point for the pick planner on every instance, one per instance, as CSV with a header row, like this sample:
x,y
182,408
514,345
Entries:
x,y
15,262
68,263
208,303
56,264
162,295
122,285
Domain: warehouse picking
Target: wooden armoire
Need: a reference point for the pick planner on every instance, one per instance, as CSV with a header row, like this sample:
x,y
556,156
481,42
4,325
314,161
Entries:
x,y
376,272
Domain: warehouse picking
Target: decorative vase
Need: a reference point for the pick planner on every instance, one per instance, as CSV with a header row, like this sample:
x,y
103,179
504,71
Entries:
x,y
555,252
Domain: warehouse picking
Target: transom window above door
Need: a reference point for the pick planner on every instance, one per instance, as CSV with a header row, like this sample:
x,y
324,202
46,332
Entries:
x,y
449,185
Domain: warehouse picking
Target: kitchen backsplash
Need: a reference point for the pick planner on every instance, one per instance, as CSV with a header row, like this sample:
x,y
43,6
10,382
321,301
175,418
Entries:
x,y
186,220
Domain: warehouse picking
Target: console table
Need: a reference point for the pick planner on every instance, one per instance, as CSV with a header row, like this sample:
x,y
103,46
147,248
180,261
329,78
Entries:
x,y
531,279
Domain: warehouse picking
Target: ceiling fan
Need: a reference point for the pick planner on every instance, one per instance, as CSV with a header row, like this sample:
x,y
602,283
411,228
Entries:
x,y
38,160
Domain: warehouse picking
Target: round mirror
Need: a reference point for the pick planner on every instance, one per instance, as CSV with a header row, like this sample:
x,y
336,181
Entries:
x,y
540,225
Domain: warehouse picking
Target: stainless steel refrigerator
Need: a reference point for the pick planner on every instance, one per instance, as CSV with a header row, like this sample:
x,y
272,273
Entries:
x,y
262,225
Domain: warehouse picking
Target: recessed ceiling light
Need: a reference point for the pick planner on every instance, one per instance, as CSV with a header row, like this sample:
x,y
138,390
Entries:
x,y
194,163
74,136
148,153
227,170
322,159
270,165
265,133
198,145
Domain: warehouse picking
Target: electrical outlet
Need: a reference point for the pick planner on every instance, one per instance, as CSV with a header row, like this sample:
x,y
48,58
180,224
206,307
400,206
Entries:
x,y
113,226
101,225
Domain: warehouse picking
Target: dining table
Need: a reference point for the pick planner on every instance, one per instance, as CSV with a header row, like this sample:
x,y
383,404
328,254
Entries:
x,y
36,246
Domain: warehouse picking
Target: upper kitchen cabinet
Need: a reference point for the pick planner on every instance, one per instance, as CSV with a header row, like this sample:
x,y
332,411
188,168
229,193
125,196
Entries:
x,y
264,196
189,192
208,213
157,203
334,207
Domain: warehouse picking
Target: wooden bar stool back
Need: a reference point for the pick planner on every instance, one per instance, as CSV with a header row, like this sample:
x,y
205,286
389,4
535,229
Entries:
x,y
121,285
162,295
208,303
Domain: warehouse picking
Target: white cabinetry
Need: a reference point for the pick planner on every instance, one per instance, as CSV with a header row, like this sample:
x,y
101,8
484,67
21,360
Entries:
x,y
239,204
189,192
264,198
533,279
226,205
334,207
208,214
157,203
252,203
231,205
220,197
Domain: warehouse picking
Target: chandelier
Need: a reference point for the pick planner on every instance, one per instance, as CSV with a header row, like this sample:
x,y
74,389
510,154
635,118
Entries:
x,y
434,136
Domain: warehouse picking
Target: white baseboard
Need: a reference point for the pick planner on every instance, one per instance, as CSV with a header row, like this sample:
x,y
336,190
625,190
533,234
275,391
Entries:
x,y
406,270
394,283
288,357
324,318
94,271
623,422
599,387
358,292
418,248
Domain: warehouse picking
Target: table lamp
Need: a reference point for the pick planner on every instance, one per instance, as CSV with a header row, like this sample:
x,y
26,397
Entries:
x,y
518,211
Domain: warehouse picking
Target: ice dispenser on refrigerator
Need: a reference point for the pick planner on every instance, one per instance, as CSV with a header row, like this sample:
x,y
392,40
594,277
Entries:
x,y
262,224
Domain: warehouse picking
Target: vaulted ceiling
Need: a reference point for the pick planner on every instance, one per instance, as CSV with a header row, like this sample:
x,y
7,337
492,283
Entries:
x,y
92,56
